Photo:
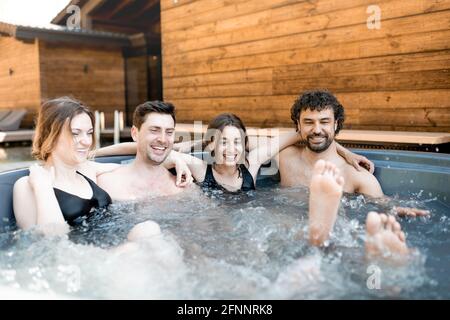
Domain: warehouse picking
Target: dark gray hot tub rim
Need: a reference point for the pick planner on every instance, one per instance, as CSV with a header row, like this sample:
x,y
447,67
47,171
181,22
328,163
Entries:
x,y
403,173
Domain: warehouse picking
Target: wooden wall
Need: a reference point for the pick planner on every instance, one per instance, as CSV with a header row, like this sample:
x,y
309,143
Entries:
x,y
19,90
43,71
101,87
253,57
136,83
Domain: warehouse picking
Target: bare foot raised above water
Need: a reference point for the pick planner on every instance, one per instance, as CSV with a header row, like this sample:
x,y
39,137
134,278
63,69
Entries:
x,y
324,199
385,238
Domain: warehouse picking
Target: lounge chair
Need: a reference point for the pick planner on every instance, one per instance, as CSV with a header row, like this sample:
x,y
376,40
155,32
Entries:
x,y
12,120
4,114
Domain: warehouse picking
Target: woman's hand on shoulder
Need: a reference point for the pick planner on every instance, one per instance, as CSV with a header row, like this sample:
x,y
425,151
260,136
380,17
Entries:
x,y
41,176
184,174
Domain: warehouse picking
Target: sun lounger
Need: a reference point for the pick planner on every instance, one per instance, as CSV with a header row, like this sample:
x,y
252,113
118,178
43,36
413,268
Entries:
x,y
12,120
4,114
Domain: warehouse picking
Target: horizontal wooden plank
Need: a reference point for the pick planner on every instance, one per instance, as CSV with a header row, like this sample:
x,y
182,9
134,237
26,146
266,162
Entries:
x,y
241,76
230,9
409,99
379,65
101,87
344,135
393,137
429,79
418,42
388,64
396,100
223,56
328,37
239,17
226,90
398,128
336,19
253,14
434,79
270,118
416,108
20,89
410,117
439,117
194,8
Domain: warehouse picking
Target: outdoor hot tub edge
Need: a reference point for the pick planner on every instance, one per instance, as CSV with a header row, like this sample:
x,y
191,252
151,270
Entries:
x,y
403,173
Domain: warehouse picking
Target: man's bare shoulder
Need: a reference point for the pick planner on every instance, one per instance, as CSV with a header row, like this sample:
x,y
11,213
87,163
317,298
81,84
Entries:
x,y
113,175
361,175
365,177
362,181
291,151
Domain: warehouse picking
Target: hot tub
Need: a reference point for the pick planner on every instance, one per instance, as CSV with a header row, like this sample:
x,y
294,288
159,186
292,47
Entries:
x,y
248,246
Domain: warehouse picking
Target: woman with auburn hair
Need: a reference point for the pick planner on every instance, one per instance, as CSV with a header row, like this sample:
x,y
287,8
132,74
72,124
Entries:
x,y
63,189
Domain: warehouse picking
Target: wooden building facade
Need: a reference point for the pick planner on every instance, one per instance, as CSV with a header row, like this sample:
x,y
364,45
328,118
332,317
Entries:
x,y
254,57
250,57
112,63
39,64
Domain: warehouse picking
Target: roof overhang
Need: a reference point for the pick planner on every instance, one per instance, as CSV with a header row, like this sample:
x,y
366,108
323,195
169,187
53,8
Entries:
x,y
65,35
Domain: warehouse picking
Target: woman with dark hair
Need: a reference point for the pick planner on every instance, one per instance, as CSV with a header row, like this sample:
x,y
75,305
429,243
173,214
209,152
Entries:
x,y
229,150
64,188
233,165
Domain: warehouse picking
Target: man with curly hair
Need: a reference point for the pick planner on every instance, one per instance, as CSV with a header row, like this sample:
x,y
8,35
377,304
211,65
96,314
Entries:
x,y
318,117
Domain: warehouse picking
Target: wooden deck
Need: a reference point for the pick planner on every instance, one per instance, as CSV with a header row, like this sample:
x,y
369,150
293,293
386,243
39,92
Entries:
x,y
355,136
433,138
27,135
16,136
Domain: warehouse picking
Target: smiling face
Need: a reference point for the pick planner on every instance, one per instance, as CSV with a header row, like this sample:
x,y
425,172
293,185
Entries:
x,y
75,141
229,147
317,128
155,138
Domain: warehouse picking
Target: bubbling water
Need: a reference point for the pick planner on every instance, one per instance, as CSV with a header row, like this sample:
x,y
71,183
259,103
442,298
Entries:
x,y
227,246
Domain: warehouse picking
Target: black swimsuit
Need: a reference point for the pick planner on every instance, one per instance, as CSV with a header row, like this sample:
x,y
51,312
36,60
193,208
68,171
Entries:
x,y
73,207
211,183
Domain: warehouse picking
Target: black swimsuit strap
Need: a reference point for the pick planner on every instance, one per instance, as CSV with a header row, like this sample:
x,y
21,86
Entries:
x,y
209,177
247,179
101,195
73,207
91,183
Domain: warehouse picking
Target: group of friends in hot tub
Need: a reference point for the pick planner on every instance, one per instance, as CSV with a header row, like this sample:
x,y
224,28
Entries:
x,y
67,185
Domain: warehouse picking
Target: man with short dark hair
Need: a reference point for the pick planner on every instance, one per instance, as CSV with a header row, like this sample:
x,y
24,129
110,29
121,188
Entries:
x,y
154,132
318,117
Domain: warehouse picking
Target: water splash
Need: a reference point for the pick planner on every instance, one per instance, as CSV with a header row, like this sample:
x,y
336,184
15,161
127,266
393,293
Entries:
x,y
250,246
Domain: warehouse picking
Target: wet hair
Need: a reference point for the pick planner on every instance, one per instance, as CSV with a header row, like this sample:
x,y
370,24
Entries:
x,y
142,110
52,117
218,124
318,100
